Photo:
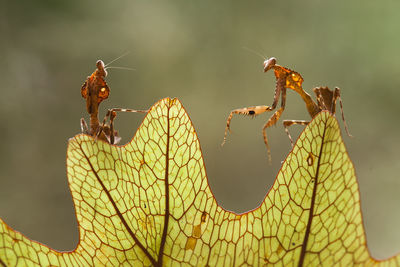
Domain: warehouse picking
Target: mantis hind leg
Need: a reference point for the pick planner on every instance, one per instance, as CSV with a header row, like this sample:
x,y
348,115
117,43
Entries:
x,y
336,96
84,126
108,130
288,123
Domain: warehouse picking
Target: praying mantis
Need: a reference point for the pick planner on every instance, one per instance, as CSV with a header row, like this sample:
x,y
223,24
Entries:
x,y
287,78
95,90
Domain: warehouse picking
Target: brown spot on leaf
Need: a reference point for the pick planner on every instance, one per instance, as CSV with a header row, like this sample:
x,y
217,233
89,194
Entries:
x,y
310,159
196,231
203,217
190,243
280,248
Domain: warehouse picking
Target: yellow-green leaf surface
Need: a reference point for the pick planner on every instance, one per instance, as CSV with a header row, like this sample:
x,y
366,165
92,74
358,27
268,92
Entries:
x,y
149,203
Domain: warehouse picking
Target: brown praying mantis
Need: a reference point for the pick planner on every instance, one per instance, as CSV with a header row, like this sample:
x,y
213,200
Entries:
x,y
287,78
95,90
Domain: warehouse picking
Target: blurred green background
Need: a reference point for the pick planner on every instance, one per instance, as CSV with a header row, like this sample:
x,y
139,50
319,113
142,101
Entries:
x,y
193,50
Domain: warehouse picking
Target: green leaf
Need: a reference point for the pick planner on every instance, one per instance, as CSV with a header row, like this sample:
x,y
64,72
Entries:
x,y
149,203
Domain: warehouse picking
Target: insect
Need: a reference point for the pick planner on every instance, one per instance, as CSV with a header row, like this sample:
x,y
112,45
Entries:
x,y
95,90
287,78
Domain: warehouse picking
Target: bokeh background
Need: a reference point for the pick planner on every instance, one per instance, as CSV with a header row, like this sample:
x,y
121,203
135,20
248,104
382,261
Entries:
x,y
193,50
